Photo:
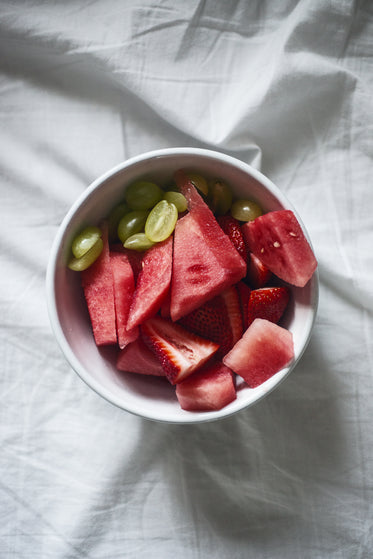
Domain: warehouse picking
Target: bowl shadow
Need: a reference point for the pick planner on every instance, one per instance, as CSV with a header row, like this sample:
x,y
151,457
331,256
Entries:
x,y
255,470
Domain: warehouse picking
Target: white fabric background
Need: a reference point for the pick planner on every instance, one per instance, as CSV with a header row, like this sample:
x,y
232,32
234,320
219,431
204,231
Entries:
x,y
285,85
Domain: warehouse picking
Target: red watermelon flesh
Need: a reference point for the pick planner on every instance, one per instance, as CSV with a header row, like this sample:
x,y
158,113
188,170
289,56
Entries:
x,y
199,271
124,287
277,239
211,389
134,258
137,358
153,283
264,349
97,283
213,234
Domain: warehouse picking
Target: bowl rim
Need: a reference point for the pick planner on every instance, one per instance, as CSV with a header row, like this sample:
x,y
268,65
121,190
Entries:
x,y
189,418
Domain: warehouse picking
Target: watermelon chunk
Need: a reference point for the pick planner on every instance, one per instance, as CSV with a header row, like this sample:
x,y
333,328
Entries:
x,y
277,239
137,358
124,287
198,272
205,261
264,349
213,388
153,283
97,283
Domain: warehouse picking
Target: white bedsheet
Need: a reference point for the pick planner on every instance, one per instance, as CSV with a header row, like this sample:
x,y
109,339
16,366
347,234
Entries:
x,y
284,85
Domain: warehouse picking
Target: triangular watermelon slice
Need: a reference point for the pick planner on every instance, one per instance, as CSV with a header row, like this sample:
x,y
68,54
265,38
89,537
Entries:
x,y
124,287
97,283
205,262
277,239
138,358
153,283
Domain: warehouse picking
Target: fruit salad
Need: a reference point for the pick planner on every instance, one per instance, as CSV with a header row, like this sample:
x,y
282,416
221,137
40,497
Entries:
x,y
191,284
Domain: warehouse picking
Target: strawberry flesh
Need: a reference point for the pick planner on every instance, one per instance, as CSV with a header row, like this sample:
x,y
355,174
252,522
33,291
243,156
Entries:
x,y
179,351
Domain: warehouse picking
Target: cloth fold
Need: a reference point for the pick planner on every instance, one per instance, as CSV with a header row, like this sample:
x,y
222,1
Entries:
x,y
285,86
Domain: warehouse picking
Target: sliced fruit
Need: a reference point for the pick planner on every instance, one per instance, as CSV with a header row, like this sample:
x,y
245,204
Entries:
x,y
198,273
152,284
268,302
134,258
161,221
138,242
232,228
97,283
205,261
214,237
85,261
124,287
278,240
179,351
210,389
264,350
211,321
258,275
244,295
233,309
83,242
137,358
245,210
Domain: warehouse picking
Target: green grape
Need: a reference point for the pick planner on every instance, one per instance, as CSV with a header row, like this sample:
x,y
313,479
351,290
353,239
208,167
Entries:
x,y
245,210
161,221
220,197
131,223
143,195
83,242
85,261
139,242
114,218
176,198
199,182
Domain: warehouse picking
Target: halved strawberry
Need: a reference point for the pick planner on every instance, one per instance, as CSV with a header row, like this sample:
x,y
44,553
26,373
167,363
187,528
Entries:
x,y
258,275
232,228
212,388
179,351
267,302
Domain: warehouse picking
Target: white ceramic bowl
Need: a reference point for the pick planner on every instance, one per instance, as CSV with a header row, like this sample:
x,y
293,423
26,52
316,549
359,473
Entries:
x,y
147,396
